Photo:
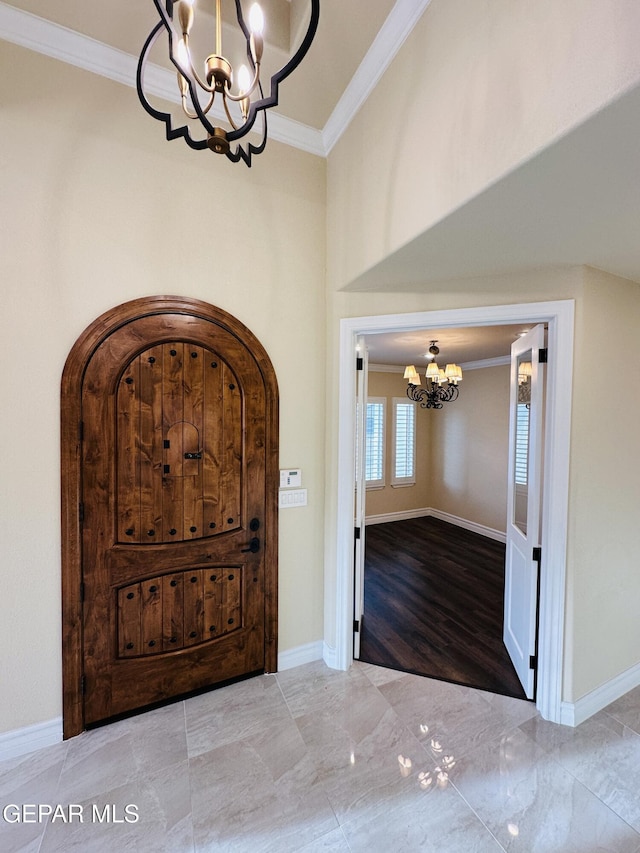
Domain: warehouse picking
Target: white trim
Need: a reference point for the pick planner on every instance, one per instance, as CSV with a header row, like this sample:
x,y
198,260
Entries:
x,y
385,368
300,655
498,361
473,526
329,656
574,713
81,51
29,738
399,24
430,512
401,515
559,316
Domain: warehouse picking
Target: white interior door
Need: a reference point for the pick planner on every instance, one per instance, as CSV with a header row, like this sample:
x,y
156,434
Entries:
x,y
362,368
522,559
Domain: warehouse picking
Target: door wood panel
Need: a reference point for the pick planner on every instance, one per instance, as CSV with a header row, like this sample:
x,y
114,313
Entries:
x,y
170,449
172,424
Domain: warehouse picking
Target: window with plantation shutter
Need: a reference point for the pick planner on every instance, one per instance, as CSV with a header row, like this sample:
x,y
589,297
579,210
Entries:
x,y
522,443
374,442
404,442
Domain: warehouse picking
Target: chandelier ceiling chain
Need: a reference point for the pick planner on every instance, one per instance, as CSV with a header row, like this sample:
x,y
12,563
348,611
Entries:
x,y
441,386
198,94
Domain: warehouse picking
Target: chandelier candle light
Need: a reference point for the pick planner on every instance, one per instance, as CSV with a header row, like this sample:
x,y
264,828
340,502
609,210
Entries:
x,y
441,385
198,93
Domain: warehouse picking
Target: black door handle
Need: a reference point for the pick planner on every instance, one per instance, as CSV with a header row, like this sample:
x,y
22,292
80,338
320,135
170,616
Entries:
x,y
254,546
197,455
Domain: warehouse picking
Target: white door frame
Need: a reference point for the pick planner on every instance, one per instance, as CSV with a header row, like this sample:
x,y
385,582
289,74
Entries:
x,y
559,316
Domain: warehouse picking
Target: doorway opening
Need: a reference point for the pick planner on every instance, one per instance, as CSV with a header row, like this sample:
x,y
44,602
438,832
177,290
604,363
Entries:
x,y
559,319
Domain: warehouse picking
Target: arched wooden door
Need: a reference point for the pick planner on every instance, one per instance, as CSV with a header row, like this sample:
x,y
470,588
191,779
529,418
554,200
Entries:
x,y
169,481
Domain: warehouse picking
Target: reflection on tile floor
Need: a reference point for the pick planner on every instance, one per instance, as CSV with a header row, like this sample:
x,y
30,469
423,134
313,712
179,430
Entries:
x,y
317,760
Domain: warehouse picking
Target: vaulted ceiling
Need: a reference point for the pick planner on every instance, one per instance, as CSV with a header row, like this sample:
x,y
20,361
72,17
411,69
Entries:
x,y
354,44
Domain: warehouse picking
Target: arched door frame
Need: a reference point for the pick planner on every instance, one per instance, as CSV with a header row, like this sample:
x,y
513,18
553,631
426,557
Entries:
x,y
559,316
71,480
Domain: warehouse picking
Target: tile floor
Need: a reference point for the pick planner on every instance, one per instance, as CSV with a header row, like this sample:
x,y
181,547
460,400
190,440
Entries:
x,y
317,760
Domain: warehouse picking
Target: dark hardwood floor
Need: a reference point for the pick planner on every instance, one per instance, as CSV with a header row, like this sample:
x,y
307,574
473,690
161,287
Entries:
x,y
434,604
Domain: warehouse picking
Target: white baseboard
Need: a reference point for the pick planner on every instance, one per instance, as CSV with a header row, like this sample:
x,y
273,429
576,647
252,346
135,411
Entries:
x,y
423,512
21,741
474,527
574,713
330,655
403,515
301,654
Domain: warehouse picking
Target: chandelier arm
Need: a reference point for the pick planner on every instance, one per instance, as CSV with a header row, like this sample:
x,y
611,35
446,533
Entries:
x,y
242,95
186,110
432,398
226,109
194,73
249,121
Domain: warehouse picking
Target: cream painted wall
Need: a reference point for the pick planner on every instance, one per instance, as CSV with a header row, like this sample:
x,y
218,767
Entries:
x,y
604,534
477,89
98,209
390,498
470,449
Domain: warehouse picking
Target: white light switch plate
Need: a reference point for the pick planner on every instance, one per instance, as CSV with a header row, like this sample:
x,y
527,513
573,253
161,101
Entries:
x,y
292,497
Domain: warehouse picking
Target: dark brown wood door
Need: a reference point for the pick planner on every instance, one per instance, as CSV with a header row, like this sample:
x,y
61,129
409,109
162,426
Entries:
x,y
174,473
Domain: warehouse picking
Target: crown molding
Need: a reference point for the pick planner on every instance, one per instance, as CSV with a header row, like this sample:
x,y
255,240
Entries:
x,y
58,42
385,368
66,45
392,35
499,361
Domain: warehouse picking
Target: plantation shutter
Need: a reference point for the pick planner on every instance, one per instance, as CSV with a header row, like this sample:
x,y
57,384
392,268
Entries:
x,y
404,442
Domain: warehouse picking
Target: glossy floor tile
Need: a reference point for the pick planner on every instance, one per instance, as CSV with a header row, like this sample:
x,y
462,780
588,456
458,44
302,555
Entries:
x,y
322,761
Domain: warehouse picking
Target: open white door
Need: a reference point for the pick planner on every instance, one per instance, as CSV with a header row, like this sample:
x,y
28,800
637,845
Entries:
x,y
522,559
362,368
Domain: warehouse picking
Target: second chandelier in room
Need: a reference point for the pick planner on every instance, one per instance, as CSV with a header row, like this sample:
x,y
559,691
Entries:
x,y
441,386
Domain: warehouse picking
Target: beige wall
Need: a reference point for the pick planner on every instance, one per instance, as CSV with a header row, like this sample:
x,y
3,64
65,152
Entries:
x,y
469,453
461,450
604,535
477,89
97,209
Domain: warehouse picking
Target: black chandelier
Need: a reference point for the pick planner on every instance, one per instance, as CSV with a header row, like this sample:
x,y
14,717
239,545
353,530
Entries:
x,y
441,386
198,94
